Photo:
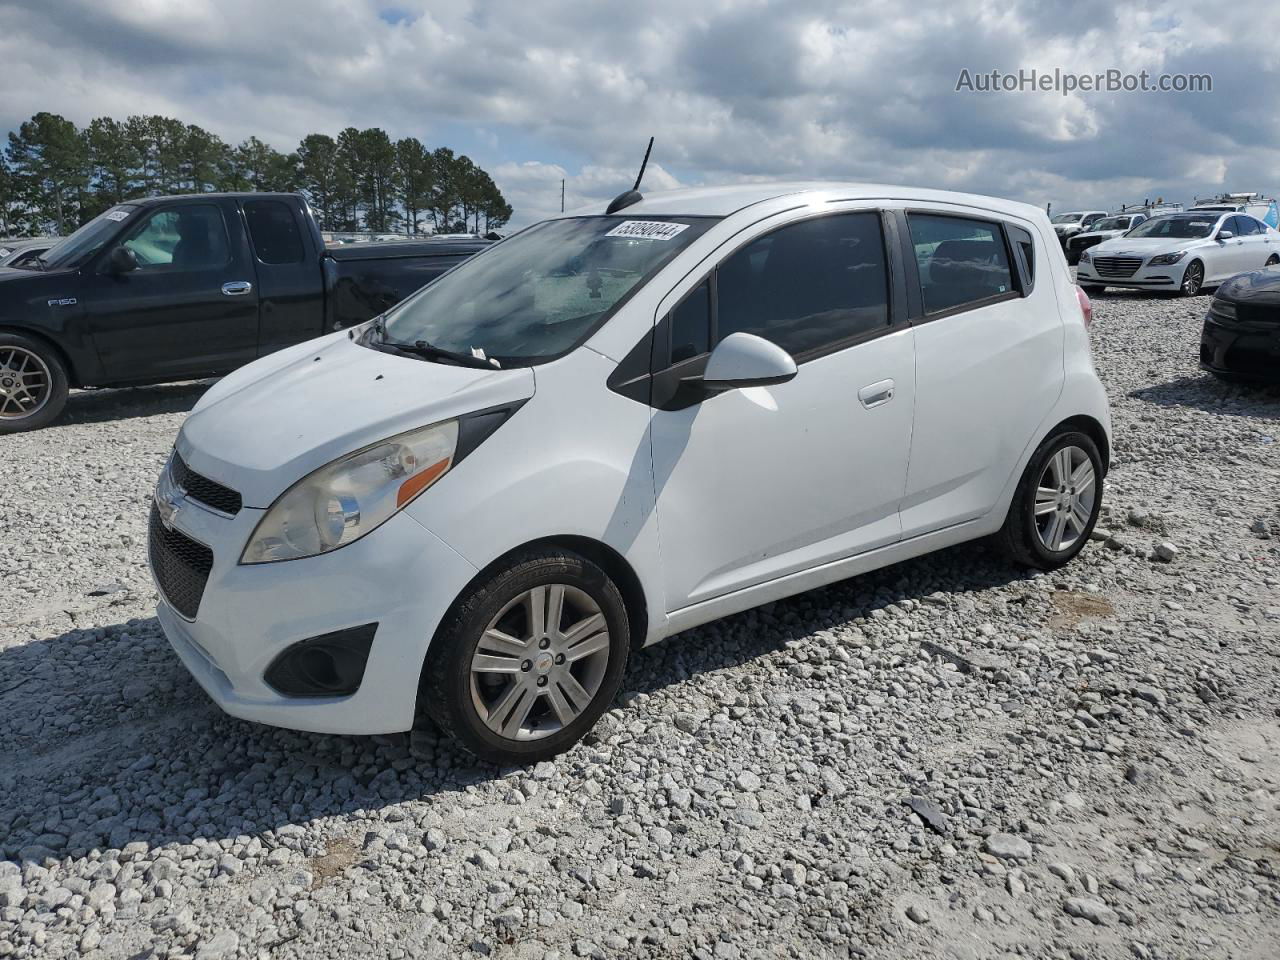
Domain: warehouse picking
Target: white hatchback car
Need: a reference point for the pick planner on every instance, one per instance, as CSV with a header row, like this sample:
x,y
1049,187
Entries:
x,y
1181,251
612,427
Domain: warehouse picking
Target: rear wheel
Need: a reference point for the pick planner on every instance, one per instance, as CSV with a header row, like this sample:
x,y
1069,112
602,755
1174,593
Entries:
x,y
1272,260
33,383
529,658
1192,279
1056,504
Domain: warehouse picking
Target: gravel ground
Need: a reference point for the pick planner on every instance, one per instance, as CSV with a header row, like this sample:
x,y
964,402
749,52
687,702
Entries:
x,y
947,758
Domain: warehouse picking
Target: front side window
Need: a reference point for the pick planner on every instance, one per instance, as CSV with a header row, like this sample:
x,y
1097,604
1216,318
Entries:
x,y
274,231
808,285
961,261
185,238
691,324
542,292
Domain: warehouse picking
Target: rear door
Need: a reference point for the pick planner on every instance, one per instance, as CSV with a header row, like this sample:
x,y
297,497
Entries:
x,y
287,264
189,309
989,361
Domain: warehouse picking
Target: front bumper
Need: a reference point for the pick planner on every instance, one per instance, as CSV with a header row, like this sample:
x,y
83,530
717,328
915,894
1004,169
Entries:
x,y
1244,351
1165,276
400,576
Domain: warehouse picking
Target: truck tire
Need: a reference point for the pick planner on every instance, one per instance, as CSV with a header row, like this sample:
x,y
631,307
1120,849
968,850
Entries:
x,y
33,383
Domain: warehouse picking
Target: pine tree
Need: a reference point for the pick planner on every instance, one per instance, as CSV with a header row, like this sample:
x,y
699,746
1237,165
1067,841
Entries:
x,y
49,161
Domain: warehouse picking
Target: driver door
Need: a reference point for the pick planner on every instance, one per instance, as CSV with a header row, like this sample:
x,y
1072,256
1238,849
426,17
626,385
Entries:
x,y
758,483
184,312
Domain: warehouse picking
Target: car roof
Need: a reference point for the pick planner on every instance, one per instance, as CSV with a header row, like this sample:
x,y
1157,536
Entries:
x,y
725,200
237,195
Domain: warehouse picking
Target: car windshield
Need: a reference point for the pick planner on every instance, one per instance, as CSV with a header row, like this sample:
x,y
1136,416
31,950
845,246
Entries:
x,y
1111,223
542,292
1182,226
1067,218
88,240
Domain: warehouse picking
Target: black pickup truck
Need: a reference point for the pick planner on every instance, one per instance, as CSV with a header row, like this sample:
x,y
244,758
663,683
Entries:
x,y
178,288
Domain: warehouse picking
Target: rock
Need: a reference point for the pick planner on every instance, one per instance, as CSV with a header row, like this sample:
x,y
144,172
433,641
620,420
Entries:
x,y
1166,551
917,914
687,722
218,947
1095,911
930,813
1006,846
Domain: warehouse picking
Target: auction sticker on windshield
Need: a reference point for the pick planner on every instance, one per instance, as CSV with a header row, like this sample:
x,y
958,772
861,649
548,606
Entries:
x,y
647,230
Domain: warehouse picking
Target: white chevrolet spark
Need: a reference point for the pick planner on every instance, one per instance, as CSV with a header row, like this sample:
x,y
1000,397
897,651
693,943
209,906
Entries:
x,y
612,427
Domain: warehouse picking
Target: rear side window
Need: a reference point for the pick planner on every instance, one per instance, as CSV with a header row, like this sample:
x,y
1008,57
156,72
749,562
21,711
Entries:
x,y
807,286
274,230
961,261
1026,253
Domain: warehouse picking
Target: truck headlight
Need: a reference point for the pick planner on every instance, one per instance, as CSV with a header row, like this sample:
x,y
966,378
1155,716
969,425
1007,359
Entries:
x,y
346,499
1164,258
1084,256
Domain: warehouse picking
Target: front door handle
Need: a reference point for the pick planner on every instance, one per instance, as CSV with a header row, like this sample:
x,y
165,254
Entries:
x,y
875,394
237,288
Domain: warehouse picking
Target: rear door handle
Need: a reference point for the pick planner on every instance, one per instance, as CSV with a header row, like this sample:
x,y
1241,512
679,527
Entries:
x,y
237,288
875,394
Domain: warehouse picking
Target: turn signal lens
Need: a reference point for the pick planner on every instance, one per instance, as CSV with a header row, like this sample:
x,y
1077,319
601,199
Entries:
x,y
1086,306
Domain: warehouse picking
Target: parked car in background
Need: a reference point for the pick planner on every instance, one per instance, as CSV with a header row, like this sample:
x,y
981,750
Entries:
x,y
456,507
1067,225
1106,228
23,253
1180,251
1241,335
175,288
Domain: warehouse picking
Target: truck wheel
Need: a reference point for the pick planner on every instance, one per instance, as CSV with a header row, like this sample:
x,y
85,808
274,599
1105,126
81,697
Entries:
x,y
529,658
33,384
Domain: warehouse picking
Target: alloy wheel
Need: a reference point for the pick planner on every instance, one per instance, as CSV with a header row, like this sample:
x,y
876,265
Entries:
x,y
25,383
540,662
1192,279
1065,498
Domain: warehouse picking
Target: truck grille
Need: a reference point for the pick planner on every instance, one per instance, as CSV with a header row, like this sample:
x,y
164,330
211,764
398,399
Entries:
x,y
180,564
202,489
1077,244
1116,266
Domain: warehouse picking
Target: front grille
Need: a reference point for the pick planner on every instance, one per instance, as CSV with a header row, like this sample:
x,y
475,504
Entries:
x,y
1258,313
180,564
1083,243
206,491
1116,266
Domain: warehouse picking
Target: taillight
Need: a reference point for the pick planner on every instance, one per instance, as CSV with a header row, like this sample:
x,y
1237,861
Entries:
x,y
1086,307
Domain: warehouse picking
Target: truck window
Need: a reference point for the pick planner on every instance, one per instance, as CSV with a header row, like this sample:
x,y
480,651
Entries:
x,y
185,238
274,230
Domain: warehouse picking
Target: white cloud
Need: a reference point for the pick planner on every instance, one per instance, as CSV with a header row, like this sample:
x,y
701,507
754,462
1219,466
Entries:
x,y
732,90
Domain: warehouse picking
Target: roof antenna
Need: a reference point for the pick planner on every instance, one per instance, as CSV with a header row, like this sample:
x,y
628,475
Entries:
x,y
633,195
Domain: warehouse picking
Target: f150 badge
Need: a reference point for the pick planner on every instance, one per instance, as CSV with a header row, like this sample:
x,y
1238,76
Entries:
x,y
65,302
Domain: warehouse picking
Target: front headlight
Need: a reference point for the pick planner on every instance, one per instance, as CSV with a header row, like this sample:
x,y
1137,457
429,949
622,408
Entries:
x,y
1084,256
1164,258
355,494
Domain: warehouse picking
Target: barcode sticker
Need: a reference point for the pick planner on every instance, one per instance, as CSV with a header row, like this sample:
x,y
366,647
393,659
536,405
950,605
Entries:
x,y
647,230
117,215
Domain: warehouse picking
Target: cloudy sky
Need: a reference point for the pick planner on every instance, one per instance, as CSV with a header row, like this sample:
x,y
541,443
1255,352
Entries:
x,y
732,89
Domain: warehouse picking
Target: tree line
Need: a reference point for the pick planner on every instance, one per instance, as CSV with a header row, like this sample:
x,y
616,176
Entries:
x,y
55,176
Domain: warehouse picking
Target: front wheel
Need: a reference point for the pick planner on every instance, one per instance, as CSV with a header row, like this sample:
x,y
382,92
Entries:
x,y
33,383
1192,279
1272,260
529,658
1056,504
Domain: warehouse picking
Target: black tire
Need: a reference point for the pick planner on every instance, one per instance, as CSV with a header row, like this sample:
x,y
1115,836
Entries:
x,y
1019,539
1192,279
1092,289
52,404
445,692
1272,260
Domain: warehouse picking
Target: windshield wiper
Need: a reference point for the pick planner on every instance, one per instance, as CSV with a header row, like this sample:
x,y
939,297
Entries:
x,y
427,351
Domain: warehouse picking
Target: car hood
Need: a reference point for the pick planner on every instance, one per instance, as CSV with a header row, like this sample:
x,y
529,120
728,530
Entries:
x,y
1143,246
1261,287
1104,234
271,423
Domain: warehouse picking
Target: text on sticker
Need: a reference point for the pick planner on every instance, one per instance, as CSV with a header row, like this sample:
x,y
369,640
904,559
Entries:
x,y
647,230
117,215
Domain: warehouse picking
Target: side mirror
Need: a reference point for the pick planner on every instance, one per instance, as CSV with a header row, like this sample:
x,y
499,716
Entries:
x,y
121,260
1225,234
745,360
